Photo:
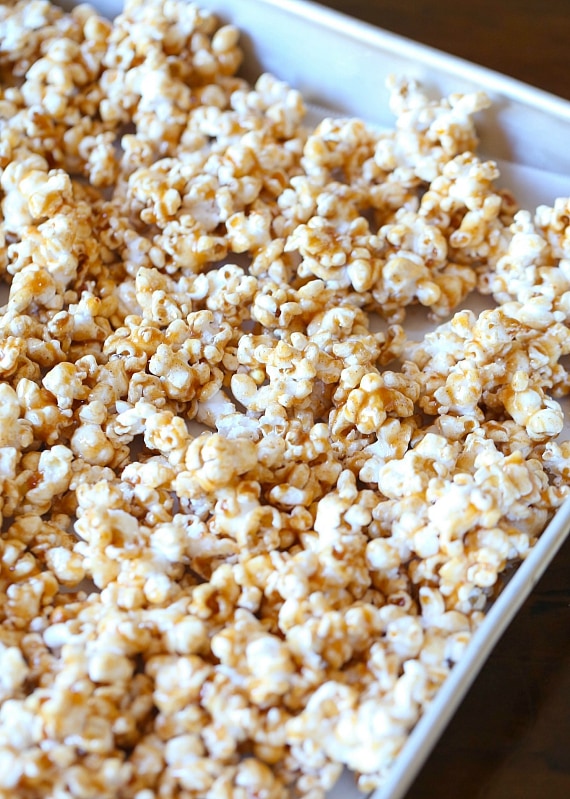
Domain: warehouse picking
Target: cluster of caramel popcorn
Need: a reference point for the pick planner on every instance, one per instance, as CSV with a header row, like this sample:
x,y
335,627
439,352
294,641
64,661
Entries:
x,y
249,525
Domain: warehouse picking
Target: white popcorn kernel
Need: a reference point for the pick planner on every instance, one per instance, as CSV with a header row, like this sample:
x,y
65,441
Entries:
x,y
13,669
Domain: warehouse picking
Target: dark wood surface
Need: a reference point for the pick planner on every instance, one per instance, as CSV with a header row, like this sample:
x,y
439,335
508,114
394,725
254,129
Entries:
x,y
510,738
527,39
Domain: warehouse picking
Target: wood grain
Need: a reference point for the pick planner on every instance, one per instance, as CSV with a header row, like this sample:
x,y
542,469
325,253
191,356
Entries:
x,y
527,39
510,738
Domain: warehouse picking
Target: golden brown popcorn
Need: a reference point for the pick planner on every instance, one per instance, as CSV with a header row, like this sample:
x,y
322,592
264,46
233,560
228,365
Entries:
x,y
250,519
292,366
533,269
374,397
428,133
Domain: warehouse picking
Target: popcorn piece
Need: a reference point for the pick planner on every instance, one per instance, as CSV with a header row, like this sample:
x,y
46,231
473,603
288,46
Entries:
x,y
431,132
14,670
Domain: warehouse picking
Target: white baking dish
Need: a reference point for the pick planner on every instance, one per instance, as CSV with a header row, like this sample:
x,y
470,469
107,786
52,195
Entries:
x,y
342,64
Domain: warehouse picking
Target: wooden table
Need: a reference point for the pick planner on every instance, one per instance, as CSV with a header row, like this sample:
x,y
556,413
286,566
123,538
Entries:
x,y
511,737
527,39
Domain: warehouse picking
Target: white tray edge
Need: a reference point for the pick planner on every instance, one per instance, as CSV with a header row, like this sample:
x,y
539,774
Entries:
x,y
432,724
